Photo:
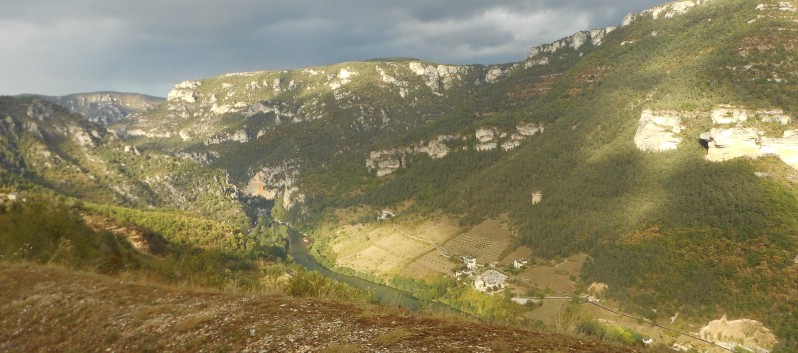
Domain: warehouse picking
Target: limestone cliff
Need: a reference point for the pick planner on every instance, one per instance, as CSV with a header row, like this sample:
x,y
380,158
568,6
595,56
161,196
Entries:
x,y
658,131
274,182
668,10
105,107
576,41
388,161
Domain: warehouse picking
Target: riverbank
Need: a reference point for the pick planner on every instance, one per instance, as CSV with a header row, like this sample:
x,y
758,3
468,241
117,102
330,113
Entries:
x,y
385,295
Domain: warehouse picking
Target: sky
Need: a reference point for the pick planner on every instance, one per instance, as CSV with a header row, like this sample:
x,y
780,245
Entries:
x,y
147,46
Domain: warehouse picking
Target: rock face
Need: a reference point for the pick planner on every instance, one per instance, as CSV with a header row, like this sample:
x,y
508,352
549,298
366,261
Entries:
x,y
725,144
773,116
342,79
529,129
386,162
576,41
537,197
82,137
438,77
203,158
786,147
781,6
658,131
393,81
726,114
273,182
728,143
184,92
106,107
487,139
239,136
669,10
493,74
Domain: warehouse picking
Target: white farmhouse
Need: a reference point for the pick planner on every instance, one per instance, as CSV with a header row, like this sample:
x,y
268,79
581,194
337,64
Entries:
x,y
470,262
520,263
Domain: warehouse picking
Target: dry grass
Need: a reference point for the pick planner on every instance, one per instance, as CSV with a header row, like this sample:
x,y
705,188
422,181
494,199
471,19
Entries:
x,y
52,309
555,276
192,323
393,337
412,248
391,247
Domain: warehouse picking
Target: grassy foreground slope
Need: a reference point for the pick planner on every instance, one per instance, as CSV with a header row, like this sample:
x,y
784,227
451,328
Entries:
x,y
50,308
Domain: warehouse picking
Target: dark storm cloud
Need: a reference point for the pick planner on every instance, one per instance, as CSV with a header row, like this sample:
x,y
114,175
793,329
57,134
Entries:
x,y
148,45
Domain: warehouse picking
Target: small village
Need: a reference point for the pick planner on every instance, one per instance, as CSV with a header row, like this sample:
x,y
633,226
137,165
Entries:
x,y
488,281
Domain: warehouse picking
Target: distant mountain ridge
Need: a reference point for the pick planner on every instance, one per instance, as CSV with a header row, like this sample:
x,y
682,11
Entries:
x,y
105,107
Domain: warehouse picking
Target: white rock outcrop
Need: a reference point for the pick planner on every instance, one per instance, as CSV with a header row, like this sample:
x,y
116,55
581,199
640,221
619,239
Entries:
x,y
536,62
725,144
786,147
493,74
239,136
597,35
81,136
273,182
576,41
529,129
773,116
132,150
486,139
343,78
658,131
726,114
391,80
388,161
668,10
537,197
485,134
510,144
184,91
440,76
39,111
145,133
781,6
203,158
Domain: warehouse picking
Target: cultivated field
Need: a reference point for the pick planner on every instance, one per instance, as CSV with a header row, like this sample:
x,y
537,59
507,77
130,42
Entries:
x,y
414,248
557,277
486,242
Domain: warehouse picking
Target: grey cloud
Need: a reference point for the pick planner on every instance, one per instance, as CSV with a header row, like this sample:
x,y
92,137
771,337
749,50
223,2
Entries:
x,y
58,47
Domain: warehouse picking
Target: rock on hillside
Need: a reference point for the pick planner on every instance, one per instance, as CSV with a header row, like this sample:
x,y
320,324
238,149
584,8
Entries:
x,y
106,107
41,141
375,92
54,309
576,41
668,10
658,131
